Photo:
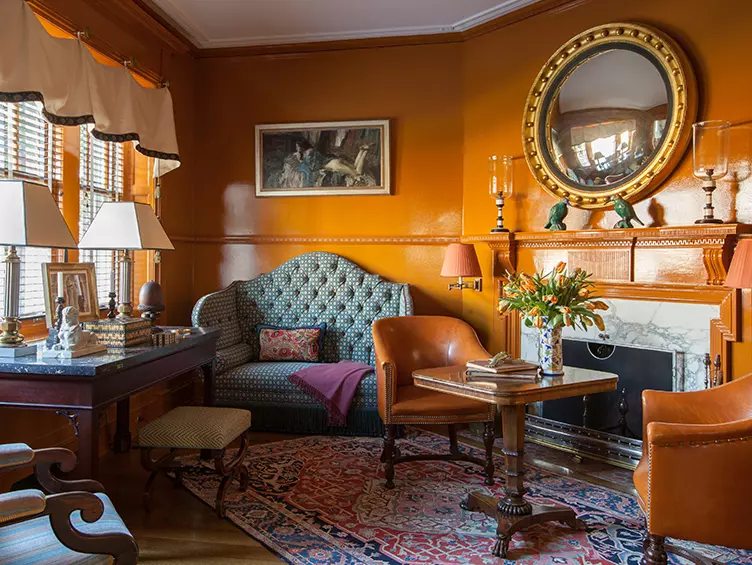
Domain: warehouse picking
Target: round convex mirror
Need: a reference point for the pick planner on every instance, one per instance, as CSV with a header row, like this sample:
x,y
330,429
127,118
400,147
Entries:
x,y
609,114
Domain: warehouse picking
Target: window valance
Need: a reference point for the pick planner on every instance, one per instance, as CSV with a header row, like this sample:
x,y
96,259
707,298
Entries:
x,y
76,89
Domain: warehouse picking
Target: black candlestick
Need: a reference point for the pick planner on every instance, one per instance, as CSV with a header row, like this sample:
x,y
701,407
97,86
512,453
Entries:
x,y
111,306
59,313
499,214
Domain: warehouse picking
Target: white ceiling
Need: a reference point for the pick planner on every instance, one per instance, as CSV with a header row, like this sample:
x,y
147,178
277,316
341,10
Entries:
x,y
237,23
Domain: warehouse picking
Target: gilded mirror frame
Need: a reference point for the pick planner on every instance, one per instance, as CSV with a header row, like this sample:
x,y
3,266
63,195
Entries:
x,y
683,111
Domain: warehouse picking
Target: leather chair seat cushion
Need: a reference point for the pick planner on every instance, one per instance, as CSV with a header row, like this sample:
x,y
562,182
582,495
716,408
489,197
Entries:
x,y
640,479
421,403
33,542
267,383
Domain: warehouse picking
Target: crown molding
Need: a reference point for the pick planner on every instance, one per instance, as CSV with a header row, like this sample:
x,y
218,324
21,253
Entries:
x,y
506,7
507,12
202,41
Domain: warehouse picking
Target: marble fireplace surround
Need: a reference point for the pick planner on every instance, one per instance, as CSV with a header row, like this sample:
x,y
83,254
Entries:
x,y
683,329
665,285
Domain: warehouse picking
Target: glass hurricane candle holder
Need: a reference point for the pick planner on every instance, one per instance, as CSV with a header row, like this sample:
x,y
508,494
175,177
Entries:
x,y
710,154
500,181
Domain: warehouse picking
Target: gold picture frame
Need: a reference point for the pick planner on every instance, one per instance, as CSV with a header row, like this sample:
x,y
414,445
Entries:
x,y
680,82
81,288
323,159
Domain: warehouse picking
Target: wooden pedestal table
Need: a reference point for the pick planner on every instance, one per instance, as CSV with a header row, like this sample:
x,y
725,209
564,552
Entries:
x,y
513,512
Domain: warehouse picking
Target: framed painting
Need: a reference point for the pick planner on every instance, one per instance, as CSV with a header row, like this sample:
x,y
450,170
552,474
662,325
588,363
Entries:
x,y
323,158
79,289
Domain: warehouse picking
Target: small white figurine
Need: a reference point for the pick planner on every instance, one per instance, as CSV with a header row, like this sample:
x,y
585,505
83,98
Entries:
x,y
72,336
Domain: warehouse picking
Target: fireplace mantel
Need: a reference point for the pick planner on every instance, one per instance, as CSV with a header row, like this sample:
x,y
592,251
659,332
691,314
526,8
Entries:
x,y
697,254
673,263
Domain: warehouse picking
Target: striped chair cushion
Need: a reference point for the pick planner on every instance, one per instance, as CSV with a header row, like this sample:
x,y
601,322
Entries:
x,y
12,454
195,427
33,542
15,505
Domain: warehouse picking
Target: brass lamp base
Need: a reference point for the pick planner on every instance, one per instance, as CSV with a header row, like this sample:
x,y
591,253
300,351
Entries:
x,y
475,284
10,336
11,342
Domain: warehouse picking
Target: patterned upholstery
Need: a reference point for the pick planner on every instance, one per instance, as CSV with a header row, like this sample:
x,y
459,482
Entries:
x,y
195,427
267,382
233,356
33,542
307,290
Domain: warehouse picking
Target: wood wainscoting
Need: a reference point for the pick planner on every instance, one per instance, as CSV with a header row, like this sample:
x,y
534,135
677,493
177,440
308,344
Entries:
x,y
666,264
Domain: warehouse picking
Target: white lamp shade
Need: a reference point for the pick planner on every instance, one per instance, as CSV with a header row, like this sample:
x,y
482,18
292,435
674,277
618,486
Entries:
x,y
125,225
29,217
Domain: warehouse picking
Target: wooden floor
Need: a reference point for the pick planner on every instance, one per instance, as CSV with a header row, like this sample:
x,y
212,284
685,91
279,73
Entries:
x,y
183,530
180,530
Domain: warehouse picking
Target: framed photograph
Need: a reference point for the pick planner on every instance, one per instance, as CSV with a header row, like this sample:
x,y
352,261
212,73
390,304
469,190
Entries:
x,y
79,289
322,158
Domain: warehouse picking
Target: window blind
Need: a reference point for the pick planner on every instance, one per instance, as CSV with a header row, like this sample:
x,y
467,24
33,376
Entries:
x,y
101,180
30,149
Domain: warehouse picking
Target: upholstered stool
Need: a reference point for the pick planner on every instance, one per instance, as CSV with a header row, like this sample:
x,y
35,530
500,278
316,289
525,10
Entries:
x,y
197,427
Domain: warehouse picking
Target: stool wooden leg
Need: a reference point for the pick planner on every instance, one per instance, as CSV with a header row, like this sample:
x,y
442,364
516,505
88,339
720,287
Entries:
x,y
231,470
156,466
146,496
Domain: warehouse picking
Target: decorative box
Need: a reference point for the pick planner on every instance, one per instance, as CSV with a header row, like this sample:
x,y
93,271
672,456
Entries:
x,y
121,332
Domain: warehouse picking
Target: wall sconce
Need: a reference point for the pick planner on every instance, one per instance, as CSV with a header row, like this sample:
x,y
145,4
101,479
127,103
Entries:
x,y
710,154
499,186
461,261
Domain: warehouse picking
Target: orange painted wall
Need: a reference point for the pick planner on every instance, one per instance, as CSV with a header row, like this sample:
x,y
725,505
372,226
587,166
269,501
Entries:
x,y
418,88
498,69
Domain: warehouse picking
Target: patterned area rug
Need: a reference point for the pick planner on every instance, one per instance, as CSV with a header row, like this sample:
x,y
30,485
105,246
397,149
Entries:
x,y
321,500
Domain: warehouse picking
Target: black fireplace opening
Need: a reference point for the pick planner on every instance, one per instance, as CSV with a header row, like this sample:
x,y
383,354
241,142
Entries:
x,y
608,424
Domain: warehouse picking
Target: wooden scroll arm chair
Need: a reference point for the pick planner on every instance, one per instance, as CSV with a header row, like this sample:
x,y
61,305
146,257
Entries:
x,y
406,344
693,479
74,523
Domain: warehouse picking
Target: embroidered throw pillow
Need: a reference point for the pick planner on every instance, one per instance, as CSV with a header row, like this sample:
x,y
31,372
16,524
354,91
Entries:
x,y
295,344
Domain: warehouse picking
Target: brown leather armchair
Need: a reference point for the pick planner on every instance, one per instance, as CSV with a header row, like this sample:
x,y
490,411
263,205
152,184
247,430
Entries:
x,y
693,479
405,344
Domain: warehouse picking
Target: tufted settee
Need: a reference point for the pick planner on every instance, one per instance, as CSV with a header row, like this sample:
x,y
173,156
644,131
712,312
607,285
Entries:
x,y
307,290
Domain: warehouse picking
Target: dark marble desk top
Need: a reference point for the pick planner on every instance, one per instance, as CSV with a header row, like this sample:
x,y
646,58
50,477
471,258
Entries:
x,y
112,360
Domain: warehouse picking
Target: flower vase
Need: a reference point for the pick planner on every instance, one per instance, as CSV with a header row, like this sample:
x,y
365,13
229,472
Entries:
x,y
550,355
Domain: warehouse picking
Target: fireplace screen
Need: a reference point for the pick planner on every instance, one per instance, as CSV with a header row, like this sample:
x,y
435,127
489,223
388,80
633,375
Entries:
x,y
607,425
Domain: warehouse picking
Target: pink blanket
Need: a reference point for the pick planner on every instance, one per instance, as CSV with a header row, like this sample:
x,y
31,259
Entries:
x,y
333,385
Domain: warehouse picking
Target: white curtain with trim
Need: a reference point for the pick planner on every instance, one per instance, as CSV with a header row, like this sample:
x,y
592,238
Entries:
x,y
76,89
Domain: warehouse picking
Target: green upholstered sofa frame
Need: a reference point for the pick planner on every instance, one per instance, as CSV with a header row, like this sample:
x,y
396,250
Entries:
x,y
307,290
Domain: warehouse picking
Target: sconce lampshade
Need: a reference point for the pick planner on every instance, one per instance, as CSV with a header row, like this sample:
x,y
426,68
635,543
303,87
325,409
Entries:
x,y
29,217
461,261
125,225
740,271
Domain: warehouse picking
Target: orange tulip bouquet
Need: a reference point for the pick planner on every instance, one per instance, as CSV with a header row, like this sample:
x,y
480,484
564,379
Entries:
x,y
549,302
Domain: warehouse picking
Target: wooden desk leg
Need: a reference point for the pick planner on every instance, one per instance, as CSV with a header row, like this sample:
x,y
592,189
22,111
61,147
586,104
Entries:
x,y
88,444
208,371
512,512
123,426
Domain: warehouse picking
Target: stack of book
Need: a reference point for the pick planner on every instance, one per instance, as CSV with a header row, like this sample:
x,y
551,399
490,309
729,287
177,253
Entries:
x,y
509,369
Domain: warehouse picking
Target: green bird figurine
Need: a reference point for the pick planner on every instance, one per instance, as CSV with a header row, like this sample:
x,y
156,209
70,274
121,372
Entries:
x,y
626,212
557,214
